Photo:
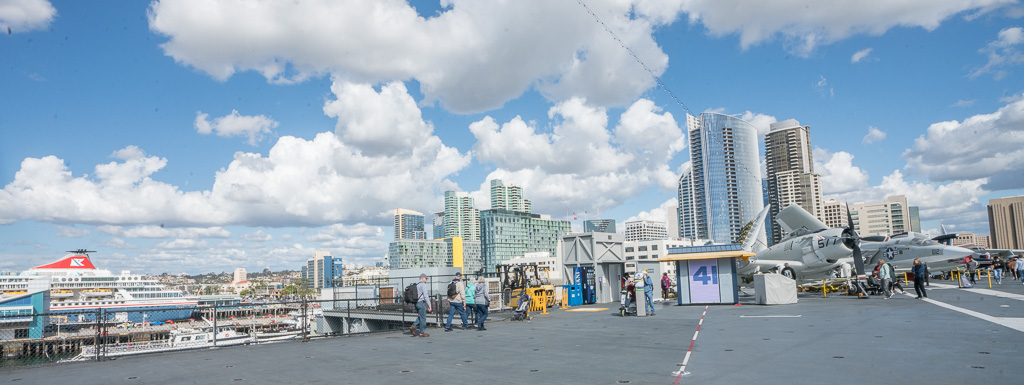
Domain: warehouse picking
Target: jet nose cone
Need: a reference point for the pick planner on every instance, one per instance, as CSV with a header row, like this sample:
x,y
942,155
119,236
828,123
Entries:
x,y
957,252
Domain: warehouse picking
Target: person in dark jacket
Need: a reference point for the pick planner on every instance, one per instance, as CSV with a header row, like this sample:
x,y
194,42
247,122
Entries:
x,y
920,273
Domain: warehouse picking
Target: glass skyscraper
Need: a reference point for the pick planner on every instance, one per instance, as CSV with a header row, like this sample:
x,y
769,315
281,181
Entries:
x,y
722,190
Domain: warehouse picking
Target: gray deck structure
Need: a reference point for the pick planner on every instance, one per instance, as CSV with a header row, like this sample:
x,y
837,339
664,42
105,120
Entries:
x,y
819,340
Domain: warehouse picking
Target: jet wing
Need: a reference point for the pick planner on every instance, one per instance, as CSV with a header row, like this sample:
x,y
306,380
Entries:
x,y
1003,253
795,217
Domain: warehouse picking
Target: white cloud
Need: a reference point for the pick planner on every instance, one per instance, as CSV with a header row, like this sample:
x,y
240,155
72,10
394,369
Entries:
x,y
860,55
118,243
823,87
25,15
804,26
580,163
874,135
183,244
1012,98
257,236
165,232
235,124
838,174
71,232
761,122
660,213
963,103
950,203
556,48
381,123
1002,53
298,183
986,145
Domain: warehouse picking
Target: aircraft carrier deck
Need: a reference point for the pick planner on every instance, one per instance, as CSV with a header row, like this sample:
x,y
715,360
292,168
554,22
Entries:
x,y
958,336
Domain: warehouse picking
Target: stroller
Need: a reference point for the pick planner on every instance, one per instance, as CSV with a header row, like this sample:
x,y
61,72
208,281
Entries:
x,y
522,310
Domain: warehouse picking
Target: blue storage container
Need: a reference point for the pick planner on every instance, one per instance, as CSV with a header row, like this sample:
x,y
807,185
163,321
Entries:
x,y
575,294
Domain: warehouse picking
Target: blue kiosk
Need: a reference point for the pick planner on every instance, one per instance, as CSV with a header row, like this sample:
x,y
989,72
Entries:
x,y
706,274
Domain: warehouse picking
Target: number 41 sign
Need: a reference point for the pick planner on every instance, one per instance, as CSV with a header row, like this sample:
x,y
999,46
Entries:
x,y
704,281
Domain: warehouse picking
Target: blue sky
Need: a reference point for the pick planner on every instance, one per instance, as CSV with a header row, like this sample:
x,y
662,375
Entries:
x,y
196,136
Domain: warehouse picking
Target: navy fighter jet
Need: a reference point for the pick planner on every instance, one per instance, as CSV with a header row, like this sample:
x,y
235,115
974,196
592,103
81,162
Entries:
x,y
813,250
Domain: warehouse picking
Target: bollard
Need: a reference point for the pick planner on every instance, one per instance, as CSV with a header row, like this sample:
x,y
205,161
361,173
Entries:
x,y
824,289
544,302
565,299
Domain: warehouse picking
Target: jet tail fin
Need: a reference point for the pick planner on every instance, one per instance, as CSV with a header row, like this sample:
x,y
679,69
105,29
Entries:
x,y
752,242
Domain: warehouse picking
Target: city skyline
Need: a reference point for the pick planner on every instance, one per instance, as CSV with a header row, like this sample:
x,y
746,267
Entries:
x,y
172,136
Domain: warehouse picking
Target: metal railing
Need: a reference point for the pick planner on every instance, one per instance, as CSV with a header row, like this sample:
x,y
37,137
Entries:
x,y
96,335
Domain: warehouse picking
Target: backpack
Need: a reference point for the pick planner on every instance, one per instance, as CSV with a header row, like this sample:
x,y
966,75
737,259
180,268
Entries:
x,y
453,289
412,294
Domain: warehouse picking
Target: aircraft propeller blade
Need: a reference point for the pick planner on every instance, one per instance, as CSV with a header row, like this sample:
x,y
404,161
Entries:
x,y
858,258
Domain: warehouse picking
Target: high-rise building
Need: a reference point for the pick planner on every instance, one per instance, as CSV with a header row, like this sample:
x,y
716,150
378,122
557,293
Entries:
x,y
915,219
461,218
438,223
1006,222
422,253
834,214
599,226
791,178
322,271
888,217
672,214
645,230
409,225
721,192
507,196
507,234
240,275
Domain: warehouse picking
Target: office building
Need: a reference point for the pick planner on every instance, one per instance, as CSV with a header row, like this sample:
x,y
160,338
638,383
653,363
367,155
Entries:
x,y
834,213
722,191
507,196
322,271
971,239
791,178
653,250
599,226
240,276
645,230
506,234
888,217
431,253
1006,222
461,218
409,225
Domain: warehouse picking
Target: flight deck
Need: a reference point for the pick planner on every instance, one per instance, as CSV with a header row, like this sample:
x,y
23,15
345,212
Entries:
x,y
957,336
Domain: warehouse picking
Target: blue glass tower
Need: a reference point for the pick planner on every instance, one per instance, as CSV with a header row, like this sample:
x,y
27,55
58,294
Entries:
x,y
722,191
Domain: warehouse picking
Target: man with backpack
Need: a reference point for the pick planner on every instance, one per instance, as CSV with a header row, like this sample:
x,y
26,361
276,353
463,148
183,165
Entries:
x,y
422,307
456,299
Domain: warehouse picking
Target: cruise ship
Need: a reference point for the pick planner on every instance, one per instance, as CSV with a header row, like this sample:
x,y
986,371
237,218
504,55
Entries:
x,y
78,289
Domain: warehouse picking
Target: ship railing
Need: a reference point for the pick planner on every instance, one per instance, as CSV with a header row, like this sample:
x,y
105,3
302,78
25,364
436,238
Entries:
x,y
50,337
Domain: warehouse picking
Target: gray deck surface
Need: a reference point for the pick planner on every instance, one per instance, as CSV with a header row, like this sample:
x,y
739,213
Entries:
x,y
834,340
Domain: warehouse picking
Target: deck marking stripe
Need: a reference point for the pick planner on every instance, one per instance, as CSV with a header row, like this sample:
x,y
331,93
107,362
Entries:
x,y
1012,323
682,368
997,293
771,316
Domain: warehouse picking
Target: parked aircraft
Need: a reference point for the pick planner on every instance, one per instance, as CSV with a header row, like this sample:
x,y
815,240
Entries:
x,y
813,250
